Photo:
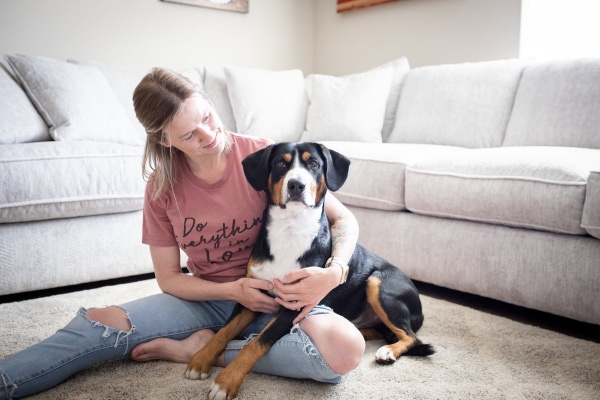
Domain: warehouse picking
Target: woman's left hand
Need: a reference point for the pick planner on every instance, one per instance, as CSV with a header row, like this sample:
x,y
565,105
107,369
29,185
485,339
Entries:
x,y
304,289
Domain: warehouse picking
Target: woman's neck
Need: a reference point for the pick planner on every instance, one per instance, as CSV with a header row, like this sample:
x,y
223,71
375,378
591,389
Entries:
x,y
210,169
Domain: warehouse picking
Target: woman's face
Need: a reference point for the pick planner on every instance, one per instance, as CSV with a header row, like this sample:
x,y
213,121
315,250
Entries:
x,y
196,130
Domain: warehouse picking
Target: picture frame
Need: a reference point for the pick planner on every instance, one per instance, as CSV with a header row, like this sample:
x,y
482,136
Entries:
x,y
240,6
349,5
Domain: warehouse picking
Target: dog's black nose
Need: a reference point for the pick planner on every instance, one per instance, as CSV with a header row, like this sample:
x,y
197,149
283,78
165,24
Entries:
x,y
295,187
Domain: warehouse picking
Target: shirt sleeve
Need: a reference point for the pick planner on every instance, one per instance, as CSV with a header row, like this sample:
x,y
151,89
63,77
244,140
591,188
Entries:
x,y
157,229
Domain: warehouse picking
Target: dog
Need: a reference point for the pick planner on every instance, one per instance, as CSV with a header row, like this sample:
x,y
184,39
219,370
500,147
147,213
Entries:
x,y
377,297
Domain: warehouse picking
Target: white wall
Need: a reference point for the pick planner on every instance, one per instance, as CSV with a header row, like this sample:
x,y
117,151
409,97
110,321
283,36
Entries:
x,y
275,34
426,31
553,29
144,33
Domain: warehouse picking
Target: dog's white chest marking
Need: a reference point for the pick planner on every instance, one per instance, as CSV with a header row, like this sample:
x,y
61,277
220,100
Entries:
x,y
291,232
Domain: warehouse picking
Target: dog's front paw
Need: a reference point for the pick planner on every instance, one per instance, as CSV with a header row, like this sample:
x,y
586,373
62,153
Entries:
x,y
385,355
226,384
216,393
199,366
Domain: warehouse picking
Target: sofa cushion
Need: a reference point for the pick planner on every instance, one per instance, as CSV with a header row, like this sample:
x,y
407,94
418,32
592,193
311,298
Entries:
x,y
401,68
76,101
123,82
376,177
458,105
591,208
270,104
47,180
350,108
215,86
557,104
19,120
530,187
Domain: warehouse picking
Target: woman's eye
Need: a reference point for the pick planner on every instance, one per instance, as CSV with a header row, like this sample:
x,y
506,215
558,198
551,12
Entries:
x,y
190,135
206,118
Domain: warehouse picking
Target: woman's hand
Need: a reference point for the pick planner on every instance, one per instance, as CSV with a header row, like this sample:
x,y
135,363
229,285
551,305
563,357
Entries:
x,y
250,295
305,288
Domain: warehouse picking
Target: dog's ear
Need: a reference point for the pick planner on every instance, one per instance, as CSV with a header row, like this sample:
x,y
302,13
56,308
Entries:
x,y
336,168
256,168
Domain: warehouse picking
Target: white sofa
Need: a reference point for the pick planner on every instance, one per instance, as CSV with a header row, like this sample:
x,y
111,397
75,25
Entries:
x,y
481,177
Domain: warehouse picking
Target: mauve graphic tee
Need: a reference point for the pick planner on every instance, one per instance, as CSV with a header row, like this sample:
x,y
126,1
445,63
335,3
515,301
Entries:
x,y
216,225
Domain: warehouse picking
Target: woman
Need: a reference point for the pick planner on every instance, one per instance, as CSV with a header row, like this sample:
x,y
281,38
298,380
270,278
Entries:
x,y
197,200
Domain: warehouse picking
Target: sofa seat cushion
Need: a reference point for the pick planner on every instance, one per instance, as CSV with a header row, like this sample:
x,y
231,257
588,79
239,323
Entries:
x,y
48,180
591,208
540,188
376,177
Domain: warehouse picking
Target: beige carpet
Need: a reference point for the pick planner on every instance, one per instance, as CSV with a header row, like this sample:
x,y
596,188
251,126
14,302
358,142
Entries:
x,y
479,356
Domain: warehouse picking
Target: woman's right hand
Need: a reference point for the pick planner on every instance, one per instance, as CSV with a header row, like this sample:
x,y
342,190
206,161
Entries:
x,y
250,295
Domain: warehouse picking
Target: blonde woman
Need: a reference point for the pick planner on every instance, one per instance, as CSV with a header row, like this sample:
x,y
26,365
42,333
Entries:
x,y
198,200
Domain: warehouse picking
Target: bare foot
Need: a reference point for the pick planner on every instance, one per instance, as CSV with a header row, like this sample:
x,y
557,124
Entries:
x,y
179,351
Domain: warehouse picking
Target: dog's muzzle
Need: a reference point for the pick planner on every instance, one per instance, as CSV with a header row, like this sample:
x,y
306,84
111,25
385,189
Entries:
x,y
295,190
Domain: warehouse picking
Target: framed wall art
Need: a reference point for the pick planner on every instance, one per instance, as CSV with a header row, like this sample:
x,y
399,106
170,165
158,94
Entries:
x,y
240,6
349,5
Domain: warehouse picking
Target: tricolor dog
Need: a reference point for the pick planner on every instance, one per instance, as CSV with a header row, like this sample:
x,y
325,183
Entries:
x,y
376,296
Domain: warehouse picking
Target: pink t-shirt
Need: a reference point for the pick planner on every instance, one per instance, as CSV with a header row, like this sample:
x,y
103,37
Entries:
x,y
216,225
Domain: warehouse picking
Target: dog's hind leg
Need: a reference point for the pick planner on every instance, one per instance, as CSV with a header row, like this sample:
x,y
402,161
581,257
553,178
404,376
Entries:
x,y
200,364
395,315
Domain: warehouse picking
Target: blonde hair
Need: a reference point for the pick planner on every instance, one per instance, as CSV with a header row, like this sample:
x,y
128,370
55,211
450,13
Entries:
x,y
157,99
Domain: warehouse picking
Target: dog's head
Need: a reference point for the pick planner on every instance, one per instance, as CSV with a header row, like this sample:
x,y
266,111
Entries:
x,y
296,173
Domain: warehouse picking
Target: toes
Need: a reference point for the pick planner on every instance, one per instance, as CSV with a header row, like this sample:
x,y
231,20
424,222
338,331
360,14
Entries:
x,y
385,356
217,394
193,374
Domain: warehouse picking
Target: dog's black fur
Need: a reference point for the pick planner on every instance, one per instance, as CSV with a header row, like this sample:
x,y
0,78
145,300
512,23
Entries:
x,y
377,296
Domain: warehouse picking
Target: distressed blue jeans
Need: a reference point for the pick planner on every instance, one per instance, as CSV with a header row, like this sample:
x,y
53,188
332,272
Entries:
x,y
82,343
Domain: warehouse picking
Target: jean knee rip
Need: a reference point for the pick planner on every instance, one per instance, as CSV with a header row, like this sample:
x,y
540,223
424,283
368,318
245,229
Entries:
x,y
309,347
109,330
7,386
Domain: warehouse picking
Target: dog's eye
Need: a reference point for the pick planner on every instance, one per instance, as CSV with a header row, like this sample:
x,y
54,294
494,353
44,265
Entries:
x,y
313,164
280,164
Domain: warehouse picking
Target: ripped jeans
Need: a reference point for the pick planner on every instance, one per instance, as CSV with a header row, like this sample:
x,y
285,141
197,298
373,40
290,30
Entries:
x,y
83,343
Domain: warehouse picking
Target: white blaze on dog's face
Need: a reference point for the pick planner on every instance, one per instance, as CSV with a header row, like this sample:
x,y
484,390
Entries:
x,y
297,180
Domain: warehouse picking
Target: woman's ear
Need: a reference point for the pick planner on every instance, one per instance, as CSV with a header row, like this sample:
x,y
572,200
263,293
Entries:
x,y
163,140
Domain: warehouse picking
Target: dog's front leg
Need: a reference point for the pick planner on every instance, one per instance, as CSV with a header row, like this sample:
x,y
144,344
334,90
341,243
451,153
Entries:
x,y
228,382
204,359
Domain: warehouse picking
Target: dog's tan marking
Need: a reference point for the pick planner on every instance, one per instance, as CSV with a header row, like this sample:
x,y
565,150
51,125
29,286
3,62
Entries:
x,y
232,376
200,364
406,340
320,189
275,190
370,334
287,157
253,262
306,156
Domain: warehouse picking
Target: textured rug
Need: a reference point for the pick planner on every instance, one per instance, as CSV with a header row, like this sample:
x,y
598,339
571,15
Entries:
x,y
479,356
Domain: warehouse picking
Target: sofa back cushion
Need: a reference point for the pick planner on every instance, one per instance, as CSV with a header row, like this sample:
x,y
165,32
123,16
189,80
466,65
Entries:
x,y
557,104
459,105
215,86
269,104
19,121
350,108
76,101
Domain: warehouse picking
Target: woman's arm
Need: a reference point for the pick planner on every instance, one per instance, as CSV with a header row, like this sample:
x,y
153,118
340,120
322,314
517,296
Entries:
x,y
172,280
344,228
308,286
